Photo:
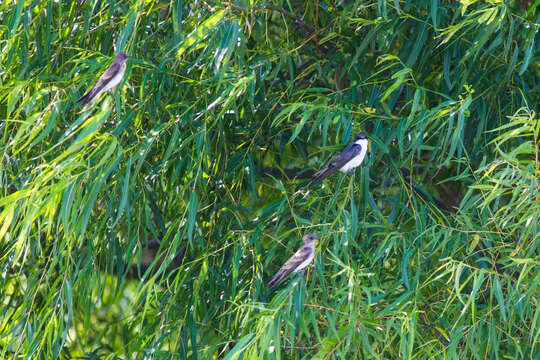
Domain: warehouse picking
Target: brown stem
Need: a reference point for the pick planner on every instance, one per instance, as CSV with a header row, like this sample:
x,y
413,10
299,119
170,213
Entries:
x,y
298,173
301,23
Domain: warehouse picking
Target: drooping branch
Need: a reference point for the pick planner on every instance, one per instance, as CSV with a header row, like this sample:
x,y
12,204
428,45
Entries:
x,y
298,20
298,173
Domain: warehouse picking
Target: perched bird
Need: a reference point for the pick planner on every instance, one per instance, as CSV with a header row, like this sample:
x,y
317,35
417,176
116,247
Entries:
x,y
108,80
298,261
351,157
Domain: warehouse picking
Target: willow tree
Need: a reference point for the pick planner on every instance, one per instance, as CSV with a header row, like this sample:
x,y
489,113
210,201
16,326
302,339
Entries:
x,y
147,225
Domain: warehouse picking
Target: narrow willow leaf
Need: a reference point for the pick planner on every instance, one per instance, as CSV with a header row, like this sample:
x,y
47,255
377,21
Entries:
x,y
434,10
14,197
404,264
50,120
92,196
395,305
396,5
14,95
299,127
177,16
512,64
124,198
128,31
67,203
422,31
500,297
228,44
192,213
237,352
354,220
528,54
6,218
16,18
201,32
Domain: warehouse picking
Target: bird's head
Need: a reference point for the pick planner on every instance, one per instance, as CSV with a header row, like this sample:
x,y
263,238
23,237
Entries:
x,y
122,57
361,136
362,140
310,239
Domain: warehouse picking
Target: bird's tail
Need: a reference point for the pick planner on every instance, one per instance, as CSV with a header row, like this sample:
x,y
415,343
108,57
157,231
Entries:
x,y
321,175
86,98
276,279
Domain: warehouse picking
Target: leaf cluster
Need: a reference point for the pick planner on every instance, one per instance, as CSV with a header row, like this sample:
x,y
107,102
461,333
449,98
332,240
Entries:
x,y
147,225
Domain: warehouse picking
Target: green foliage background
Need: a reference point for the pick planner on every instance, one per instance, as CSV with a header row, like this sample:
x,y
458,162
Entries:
x,y
429,251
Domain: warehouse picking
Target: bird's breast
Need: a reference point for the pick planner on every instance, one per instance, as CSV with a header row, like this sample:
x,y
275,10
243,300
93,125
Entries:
x,y
115,80
354,162
306,262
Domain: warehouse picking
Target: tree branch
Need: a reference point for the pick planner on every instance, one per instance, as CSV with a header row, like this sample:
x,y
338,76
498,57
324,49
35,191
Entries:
x,y
299,21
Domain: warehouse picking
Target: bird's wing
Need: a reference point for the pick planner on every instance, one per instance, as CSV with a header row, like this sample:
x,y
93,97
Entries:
x,y
337,162
101,82
292,264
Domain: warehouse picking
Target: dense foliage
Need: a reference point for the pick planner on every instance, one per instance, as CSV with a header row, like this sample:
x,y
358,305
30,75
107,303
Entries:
x,y
147,225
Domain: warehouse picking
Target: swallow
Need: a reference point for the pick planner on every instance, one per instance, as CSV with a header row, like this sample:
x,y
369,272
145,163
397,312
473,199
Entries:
x,y
298,261
351,157
108,80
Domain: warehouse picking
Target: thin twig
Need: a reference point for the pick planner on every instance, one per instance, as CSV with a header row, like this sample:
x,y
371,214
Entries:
x,y
284,12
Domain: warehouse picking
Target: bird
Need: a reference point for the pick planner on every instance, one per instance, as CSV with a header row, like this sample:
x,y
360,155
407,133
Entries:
x,y
298,261
351,157
108,80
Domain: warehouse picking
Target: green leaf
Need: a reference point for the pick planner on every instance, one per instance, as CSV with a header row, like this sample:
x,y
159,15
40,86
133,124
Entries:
x,y
192,214
500,297
528,54
200,32
237,352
